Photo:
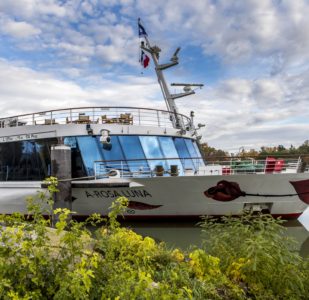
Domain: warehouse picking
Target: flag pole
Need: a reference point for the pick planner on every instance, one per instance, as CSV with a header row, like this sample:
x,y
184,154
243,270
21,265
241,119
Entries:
x,y
169,100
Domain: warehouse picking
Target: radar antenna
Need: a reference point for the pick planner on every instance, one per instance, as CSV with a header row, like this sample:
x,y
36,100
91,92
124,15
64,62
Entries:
x,y
169,98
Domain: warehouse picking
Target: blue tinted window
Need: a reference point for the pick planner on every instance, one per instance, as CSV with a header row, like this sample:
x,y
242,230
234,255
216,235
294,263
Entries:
x,y
28,147
197,149
70,141
25,160
190,147
114,153
134,153
184,153
89,149
78,167
200,161
152,150
169,151
192,152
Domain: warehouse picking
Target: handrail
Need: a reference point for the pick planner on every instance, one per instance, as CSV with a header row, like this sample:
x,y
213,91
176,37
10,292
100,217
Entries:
x,y
88,107
97,114
154,159
213,168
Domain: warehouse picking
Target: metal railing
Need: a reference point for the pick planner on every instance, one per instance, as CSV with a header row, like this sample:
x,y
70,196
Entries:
x,y
166,167
252,166
147,167
192,166
97,115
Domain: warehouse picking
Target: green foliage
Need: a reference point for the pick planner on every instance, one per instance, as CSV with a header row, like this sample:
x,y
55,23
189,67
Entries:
x,y
212,154
244,259
255,252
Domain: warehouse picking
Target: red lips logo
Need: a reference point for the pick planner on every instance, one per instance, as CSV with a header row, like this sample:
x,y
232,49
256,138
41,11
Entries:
x,y
228,191
302,189
224,191
141,206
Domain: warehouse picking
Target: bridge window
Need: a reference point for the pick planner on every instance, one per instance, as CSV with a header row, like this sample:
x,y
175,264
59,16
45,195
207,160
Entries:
x,y
153,150
89,149
133,152
184,153
115,155
170,152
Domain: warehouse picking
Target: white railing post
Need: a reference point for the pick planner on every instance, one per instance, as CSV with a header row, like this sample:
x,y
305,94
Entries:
x,y
139,117
299,163
158,118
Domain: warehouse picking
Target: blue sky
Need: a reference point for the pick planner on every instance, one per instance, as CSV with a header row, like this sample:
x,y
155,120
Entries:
x,y
252,56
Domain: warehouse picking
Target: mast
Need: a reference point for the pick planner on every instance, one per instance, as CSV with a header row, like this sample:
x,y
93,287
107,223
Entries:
x,y
169,98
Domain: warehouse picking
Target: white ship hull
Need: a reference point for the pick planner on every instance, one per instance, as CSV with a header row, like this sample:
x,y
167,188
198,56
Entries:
x,y
172,197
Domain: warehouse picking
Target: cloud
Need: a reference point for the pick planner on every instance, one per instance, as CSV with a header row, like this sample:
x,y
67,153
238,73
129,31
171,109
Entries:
x,y
36,91
236,31
250,29
255,138
80,52
18,29
31,8
268,93
76,49
254,113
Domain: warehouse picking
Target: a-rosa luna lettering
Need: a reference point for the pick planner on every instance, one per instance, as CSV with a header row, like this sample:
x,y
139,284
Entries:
x,y
116,194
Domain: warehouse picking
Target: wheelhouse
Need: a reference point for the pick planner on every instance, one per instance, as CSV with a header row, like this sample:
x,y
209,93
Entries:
x,y
139,141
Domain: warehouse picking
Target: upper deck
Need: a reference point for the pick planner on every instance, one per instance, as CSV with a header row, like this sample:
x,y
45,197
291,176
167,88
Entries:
x,y
98,115
195,166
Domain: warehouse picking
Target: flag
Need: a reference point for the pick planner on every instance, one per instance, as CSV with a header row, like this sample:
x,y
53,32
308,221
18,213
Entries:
x,y
144,59
141,29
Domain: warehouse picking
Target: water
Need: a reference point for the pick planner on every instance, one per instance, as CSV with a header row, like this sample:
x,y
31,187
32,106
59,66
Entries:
x,y
300,234
184,234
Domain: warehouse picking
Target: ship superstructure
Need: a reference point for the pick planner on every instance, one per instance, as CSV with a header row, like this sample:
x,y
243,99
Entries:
x,y
150,156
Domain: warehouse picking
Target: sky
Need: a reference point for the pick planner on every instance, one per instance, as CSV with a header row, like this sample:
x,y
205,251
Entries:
x,y
252,57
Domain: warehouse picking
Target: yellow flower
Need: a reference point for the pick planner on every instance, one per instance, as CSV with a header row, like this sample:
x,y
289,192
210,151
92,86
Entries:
x,y
149,242
234,271
203,265
178,255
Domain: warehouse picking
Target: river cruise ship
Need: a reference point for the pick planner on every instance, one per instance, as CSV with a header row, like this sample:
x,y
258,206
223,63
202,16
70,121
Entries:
x,y
148,155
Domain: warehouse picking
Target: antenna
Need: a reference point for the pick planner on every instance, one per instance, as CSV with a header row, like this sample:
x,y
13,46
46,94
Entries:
x,y
168,97
175,57
188,84
187,88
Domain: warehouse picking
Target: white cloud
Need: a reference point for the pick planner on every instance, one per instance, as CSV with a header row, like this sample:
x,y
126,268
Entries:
x,y
76,49
31,8
18,29
253,113
36,91
236,30
268,93
262,45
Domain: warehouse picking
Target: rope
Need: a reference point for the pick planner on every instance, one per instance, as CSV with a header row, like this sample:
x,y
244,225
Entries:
x,y
271,195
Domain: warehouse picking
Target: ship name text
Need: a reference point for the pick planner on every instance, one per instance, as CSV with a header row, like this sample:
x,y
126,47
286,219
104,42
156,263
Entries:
x,y
117,193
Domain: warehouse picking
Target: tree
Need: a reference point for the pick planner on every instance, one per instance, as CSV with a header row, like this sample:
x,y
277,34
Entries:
x,y
304,148
211,153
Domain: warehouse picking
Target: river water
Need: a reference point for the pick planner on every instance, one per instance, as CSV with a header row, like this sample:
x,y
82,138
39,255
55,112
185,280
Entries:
x,y
184,234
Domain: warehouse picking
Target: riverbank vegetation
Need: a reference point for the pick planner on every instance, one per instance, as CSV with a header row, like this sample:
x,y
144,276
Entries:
x,y
213,154
242,258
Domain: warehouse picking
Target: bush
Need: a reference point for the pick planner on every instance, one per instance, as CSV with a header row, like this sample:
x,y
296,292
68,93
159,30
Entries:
x,y
255,252
243,259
